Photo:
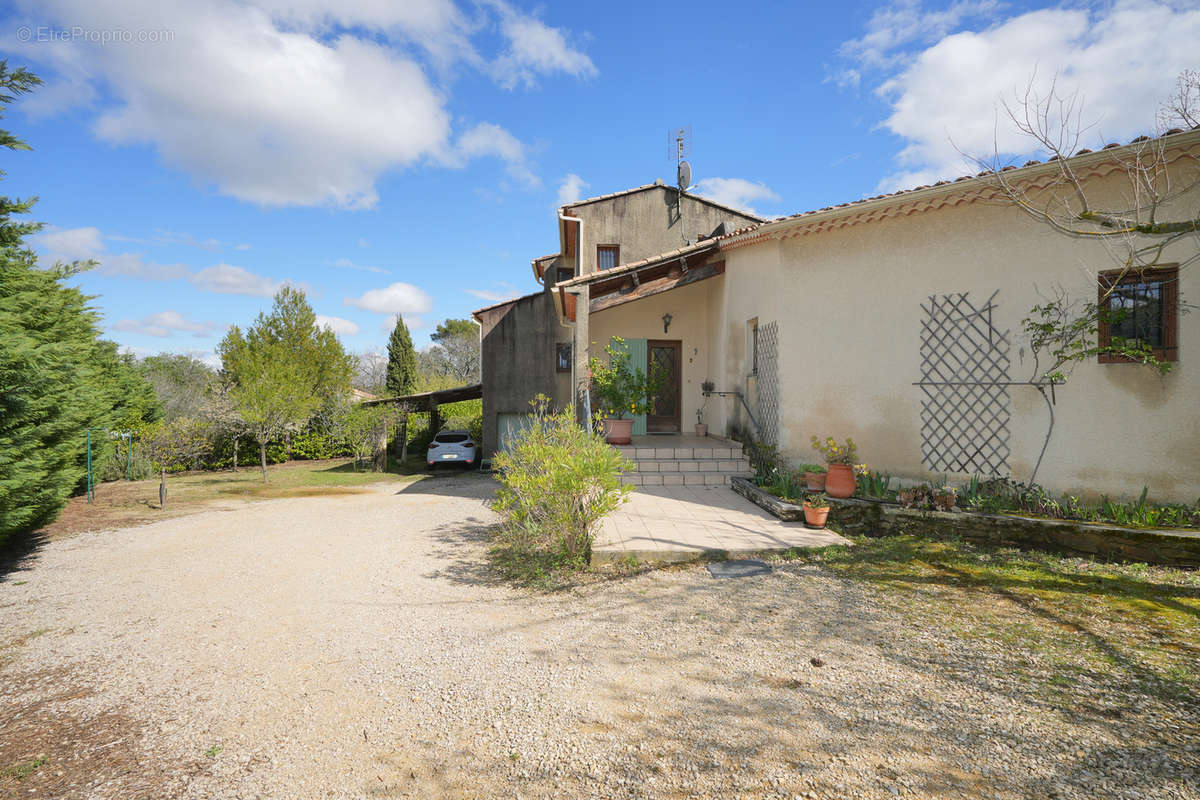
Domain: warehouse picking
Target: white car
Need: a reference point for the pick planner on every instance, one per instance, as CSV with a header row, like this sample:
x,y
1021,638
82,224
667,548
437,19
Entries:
x,y
451,447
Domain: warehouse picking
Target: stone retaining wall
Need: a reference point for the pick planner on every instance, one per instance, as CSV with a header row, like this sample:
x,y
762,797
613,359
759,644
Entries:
x,y
854,517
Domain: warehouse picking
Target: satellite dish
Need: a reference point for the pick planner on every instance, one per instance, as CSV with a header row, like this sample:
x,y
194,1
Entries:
x,y
685,175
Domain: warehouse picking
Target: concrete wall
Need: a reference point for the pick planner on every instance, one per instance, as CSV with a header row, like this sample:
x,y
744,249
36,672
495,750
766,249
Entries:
x,y
690,308
519,342
848,305
646,224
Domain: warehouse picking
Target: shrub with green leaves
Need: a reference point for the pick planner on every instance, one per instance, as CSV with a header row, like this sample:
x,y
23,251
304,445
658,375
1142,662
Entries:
x,y
557,482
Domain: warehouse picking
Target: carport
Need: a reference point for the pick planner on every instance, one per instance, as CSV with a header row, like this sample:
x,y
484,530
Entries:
x,y
428,402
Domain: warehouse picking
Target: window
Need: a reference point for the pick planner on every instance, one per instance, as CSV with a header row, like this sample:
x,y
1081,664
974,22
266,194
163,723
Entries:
x,y
752,345
1141,305
564,274
607,256
562,357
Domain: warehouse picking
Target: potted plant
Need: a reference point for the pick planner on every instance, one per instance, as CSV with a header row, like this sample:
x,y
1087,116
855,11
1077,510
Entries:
x,y
816,510
701,428
839,479
814,476
623,391
944,498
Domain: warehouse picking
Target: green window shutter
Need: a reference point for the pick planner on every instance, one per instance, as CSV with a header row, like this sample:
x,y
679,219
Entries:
x,y
637,357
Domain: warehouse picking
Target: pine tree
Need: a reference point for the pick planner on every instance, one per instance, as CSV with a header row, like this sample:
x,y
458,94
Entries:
x,y
283,370
402,361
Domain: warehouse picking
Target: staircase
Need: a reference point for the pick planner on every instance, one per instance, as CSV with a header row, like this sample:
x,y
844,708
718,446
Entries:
x,y
684,461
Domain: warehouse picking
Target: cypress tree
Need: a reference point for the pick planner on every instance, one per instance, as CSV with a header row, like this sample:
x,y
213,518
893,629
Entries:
x,y
402,361
57,379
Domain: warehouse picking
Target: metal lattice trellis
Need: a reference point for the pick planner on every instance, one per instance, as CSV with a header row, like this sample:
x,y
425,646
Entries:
x,y
964,377
768,382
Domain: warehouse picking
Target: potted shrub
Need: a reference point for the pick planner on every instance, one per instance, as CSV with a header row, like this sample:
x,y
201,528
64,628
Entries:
x,y
814,476
816,510
701,427
623,391
839,458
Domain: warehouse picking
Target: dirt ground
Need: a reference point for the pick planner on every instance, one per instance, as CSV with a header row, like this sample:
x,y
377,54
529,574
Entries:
x,y
359,646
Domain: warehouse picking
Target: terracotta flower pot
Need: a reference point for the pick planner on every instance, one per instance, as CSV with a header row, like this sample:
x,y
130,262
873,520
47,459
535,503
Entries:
x,y
815,517
618,431
839,481
815,481
702,429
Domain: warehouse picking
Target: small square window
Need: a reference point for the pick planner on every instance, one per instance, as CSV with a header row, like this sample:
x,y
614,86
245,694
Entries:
x,y
562,357
563,274
607,256
1141,305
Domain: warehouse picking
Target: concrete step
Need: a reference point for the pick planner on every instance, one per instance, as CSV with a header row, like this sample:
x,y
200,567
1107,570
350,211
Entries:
x,y
733,466
678,478
719,450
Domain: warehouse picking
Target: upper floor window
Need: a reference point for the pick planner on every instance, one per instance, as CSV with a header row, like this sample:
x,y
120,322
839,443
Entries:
x,y
563,274
1140,305
607,256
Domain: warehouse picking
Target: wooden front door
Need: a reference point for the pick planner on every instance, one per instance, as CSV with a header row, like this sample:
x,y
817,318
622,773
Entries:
x,y
664,358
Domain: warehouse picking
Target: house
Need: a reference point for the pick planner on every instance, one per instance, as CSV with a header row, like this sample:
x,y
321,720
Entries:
x,y
896,320
530,345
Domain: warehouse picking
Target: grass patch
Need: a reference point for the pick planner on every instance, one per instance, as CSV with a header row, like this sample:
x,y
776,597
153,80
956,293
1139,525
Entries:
x,y
1074,621
124,503
213,751
24,769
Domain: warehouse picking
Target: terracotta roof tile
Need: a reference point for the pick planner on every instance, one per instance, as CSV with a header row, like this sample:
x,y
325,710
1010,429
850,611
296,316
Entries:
x,y
983,174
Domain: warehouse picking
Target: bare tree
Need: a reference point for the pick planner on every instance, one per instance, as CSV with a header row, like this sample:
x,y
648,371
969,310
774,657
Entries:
x,y
370,372
1159,204
1141,226
1182,109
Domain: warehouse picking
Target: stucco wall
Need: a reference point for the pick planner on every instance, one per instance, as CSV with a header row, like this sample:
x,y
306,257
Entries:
x,y
848,305
518,360
645,224
690,309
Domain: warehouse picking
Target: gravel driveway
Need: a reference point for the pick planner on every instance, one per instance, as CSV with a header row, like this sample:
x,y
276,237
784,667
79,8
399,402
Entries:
x,y
356,647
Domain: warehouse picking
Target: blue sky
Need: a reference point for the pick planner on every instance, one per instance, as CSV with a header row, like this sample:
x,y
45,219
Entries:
x,y
407,157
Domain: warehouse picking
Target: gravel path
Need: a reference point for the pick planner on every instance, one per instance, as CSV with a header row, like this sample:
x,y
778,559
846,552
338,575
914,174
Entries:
x,y
356,647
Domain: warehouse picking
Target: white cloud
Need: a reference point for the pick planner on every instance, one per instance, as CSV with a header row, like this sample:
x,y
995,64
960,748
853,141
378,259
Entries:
x,y
363,242
398,298
506,292
228,279
342,327
898,24
412,322
82,244
535,49
293,103
241,246
133,265
486,139
571,189
77,244
68,244
345,263
165,323
1121,58
736,192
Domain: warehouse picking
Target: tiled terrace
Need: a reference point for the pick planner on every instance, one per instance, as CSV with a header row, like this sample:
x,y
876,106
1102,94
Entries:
x,y
680,523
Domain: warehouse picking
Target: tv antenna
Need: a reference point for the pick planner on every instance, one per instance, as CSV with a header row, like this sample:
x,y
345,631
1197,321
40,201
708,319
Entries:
x,y
679,148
